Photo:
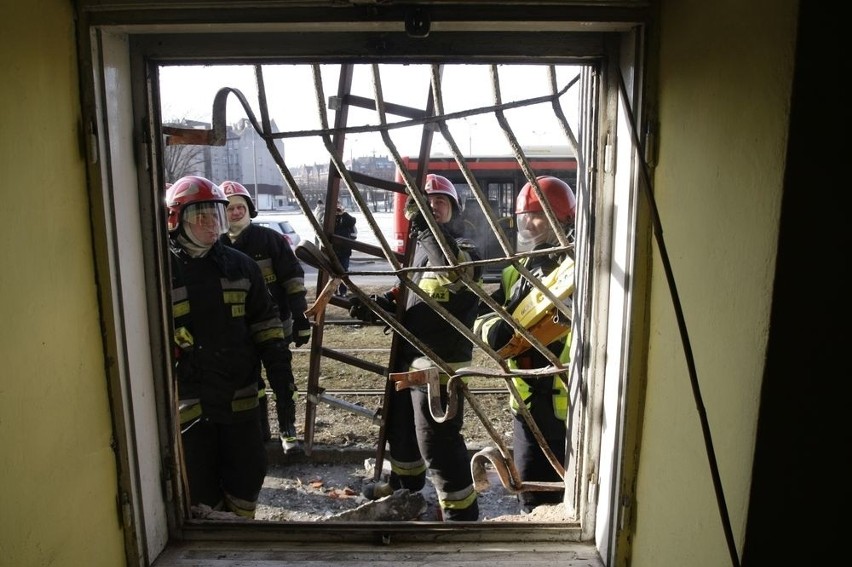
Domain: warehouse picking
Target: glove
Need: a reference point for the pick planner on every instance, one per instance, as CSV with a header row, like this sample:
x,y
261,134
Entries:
x,y
386,301
519,291
360,310
414,216
301,330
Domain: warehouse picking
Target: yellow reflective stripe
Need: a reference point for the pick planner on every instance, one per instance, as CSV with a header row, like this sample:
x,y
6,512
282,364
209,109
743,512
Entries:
x,y
183,338
189,411
180,309
265,325
268,334
294,286
246,398
412,468
434,289
287,326
234,297
267,270
240,507
244,404
454,501
560,396
560,400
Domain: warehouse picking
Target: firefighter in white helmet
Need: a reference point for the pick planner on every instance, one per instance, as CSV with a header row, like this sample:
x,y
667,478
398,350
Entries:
x,y
546,398
225,326
285,279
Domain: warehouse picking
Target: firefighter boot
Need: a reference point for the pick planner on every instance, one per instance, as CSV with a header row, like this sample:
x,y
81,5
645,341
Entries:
x,y
376,490
287,425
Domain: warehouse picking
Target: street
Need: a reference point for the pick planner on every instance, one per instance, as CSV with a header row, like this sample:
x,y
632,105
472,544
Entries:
x,y
359,262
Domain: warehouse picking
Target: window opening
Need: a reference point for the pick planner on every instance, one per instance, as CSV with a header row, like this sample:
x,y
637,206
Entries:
x,y
493,208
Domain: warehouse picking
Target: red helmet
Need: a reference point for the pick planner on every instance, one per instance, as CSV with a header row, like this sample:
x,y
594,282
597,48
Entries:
x,y
558,194
438,184
189,190
232,188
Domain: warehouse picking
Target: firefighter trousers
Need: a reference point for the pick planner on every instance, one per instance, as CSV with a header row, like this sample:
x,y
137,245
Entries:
x,y
530,459
416,441
225,464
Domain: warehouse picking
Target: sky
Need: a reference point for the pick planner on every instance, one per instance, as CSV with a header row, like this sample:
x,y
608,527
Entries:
x,y
188,92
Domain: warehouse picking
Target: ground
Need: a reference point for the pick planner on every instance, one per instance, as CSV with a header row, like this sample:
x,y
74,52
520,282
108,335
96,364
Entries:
x,y
343,449
303,491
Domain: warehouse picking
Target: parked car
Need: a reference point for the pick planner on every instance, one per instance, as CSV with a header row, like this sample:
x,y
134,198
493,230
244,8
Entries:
x,y
279,224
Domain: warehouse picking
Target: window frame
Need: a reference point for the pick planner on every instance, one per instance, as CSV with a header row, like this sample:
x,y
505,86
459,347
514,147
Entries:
x,y
123,46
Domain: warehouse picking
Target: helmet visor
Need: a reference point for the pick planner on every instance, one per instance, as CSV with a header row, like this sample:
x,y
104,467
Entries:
x,y
205,219
533,229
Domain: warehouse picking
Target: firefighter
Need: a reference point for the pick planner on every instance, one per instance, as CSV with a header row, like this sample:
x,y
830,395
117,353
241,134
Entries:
x,y
546,398
225,326
285,279
416,441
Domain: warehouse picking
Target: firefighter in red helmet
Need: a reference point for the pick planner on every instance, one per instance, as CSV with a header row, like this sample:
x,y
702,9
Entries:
x,y
546,398
285,279
225,326
416,441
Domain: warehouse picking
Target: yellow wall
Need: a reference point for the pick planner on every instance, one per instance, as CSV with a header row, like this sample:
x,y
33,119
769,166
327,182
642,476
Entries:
x,y
725,82
57,472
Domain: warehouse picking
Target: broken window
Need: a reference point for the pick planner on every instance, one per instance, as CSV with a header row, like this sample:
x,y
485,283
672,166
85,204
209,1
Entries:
x,y
517,118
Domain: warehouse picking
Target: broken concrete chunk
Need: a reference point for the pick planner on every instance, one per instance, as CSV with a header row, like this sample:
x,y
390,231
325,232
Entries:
x,y
400,506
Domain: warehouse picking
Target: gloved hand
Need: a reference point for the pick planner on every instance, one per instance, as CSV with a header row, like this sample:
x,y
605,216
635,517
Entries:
x,y
360,310
386,301
519,291
414,216
301,330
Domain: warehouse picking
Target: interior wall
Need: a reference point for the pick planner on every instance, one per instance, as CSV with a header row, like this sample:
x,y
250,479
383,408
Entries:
x,y
798,469
57,473
725,73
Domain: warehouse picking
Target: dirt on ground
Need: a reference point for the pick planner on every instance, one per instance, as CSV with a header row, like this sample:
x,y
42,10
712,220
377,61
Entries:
x,y
343,446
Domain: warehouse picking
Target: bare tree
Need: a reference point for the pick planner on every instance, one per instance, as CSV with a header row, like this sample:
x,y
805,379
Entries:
x,y
184,159
180,160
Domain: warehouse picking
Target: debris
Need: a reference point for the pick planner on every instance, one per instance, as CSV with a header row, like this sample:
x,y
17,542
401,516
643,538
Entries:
x,y
205,512
402,505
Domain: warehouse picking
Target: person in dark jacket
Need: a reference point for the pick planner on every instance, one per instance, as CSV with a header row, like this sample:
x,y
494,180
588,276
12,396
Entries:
x,y
546,398
285,278
225,326
344,225
415,439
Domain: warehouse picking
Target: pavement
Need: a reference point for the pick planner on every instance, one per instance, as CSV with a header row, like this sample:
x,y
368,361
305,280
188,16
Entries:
x,y
381,271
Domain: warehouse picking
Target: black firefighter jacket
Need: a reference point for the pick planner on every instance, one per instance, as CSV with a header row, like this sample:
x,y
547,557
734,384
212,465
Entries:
x,y
225,324
282,271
